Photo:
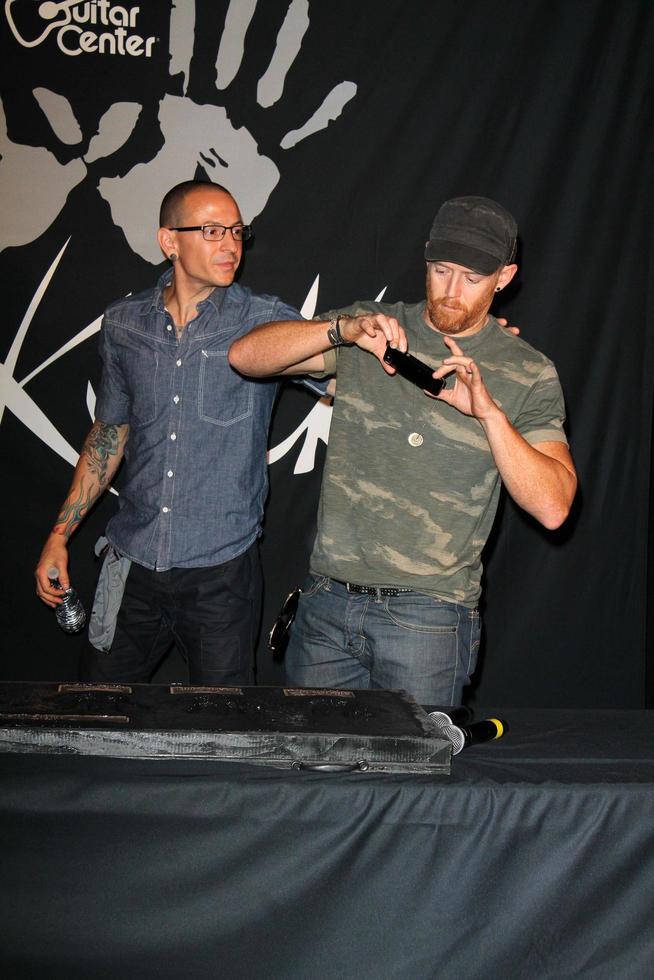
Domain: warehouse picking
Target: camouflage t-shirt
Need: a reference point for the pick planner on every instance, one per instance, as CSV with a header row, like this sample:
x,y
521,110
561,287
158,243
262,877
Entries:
x,y
410,487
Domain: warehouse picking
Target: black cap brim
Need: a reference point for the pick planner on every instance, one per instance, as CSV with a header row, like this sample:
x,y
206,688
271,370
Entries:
x,y
465,255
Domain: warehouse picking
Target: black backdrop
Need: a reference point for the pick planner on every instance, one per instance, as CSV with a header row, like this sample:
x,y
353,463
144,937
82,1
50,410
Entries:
x,y
544,105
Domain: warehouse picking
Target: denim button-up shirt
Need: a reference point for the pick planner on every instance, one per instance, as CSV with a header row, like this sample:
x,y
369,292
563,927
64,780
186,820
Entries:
x,y
196,476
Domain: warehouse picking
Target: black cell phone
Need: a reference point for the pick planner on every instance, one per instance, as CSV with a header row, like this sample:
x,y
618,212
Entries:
x,y
413,370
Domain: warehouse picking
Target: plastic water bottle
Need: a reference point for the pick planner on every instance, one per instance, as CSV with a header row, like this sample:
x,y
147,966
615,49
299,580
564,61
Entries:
x,y
70,614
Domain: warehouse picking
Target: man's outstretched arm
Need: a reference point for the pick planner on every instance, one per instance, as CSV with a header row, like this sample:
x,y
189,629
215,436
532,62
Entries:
x,y
99,459
297,346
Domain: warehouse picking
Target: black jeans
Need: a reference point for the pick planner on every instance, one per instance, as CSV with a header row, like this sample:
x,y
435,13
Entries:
x,y
210,614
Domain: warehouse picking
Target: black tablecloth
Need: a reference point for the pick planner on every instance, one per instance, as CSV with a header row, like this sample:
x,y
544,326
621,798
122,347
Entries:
x,y
533,859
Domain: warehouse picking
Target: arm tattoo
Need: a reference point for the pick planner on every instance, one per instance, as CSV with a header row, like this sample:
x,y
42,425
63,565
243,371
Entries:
x,y
102,442
74,510
102,445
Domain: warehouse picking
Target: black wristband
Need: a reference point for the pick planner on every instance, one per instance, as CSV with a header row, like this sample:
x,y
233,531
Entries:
x,y
334,334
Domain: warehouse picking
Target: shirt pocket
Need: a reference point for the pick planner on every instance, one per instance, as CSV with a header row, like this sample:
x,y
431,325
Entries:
x,y
224,397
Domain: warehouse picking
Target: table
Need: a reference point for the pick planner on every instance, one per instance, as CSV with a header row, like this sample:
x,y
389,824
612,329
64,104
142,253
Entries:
x,y
533,859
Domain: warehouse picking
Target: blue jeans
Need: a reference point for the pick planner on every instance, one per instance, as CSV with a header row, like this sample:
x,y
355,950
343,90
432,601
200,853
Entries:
x,y
413,642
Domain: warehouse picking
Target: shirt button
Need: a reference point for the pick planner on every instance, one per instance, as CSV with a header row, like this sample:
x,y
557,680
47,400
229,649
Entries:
x,y
165,510
176,399
168,327
173,436
415,439
178,363
170,473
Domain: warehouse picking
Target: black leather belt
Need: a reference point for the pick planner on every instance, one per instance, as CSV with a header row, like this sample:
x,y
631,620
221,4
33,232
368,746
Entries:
x,y
373,590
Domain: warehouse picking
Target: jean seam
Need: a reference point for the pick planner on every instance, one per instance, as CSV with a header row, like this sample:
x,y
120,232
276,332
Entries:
x,y
320,582
356,609
432,630
457,659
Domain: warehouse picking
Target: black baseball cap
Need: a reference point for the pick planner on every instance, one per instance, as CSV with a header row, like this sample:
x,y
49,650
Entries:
x,y
475,232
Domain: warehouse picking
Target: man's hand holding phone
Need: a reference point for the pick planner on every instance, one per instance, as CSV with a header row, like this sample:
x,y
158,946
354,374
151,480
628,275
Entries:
x,y
414,370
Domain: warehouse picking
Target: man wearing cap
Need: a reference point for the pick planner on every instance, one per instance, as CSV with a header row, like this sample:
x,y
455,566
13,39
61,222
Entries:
x,y
411,482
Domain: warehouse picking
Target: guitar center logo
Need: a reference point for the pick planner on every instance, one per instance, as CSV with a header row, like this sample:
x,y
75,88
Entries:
x,y
79,27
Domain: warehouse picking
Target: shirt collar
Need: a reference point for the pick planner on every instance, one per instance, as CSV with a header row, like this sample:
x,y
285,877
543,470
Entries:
x,y
216,297
157,296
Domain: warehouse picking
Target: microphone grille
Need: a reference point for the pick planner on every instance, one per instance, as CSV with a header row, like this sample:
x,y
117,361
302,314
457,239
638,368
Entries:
x,y
456,737
449,731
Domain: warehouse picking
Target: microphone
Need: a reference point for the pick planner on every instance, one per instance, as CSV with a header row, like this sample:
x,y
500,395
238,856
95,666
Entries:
x,y
451,716
471,734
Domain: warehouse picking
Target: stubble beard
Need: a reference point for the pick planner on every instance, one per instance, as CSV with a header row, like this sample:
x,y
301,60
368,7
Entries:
x,y
447,321
457,320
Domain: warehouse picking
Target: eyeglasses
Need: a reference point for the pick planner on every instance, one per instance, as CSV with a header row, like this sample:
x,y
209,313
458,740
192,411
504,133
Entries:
x,y
284,621
216,233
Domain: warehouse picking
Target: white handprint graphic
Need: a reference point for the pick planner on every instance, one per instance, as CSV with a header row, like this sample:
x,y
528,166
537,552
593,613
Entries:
x,y
194,135
135,199
34,188
204,136
35,185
